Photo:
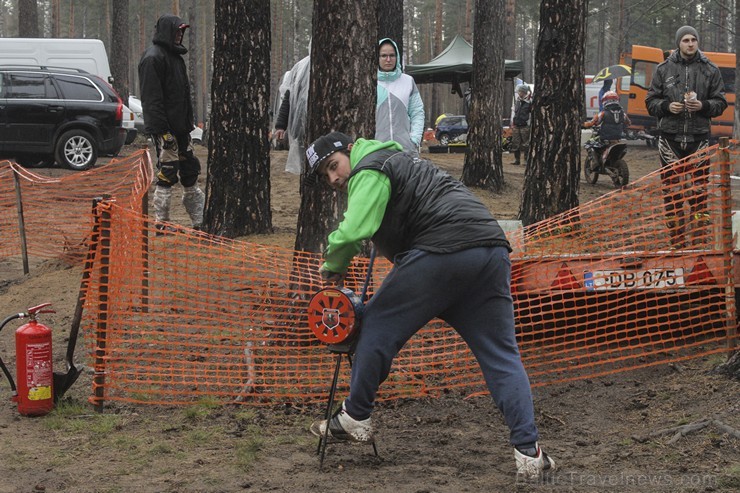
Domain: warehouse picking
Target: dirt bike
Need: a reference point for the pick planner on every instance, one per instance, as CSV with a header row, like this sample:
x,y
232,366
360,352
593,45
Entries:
x,y
605,158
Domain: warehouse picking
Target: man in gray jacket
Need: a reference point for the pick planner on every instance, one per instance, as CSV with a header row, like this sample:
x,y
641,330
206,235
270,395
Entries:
x,y
685,93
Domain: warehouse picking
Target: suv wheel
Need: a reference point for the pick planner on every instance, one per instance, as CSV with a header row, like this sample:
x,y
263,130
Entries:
x,y
76,149
444,139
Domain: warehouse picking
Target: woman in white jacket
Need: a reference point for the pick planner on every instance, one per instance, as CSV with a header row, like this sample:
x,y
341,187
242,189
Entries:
x,y
399,114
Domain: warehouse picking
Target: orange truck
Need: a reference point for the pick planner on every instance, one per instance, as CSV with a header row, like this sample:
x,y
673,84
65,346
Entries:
x,y
632,90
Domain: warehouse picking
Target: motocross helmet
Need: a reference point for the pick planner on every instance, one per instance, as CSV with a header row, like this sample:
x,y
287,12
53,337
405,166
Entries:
x,y
522,88
610,97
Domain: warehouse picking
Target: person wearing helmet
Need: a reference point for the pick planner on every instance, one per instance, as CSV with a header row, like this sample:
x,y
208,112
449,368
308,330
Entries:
x,y
520,116
450,260
606,86
612,121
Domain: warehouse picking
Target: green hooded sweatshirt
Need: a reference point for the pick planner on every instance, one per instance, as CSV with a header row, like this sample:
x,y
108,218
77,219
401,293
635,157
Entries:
x,y
368,193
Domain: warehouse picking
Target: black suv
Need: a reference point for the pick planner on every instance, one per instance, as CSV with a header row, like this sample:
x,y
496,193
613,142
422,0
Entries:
x,y
50,114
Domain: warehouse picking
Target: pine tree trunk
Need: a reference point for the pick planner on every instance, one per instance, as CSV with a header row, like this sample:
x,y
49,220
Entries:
x,y
204,78
296,26
731,367
601,58
119,64
435,106
620,29
341,97
554,161
105,31
510,45
238,182
509,41
71,30
390,22
483,167
55,18
193,19
736,129
468,34
141,40
277,50
28,19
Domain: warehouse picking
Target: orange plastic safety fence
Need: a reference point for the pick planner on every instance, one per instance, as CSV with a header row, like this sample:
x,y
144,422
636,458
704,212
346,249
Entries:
x,y
639,277
56,211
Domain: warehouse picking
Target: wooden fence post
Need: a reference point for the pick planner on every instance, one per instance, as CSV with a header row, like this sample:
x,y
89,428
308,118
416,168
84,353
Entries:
x,y
21,221
727,241
102,323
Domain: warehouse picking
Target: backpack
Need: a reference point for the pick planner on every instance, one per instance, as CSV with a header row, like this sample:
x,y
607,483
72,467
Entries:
x,y
612,126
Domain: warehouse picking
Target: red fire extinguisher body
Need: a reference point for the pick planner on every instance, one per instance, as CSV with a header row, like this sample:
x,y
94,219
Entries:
x,y
34,371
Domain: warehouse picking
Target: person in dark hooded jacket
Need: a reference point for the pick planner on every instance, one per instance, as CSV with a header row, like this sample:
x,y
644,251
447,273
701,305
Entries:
x,y
686,92
168,119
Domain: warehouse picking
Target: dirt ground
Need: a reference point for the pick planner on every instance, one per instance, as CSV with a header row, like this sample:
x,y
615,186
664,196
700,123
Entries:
x,y
596,430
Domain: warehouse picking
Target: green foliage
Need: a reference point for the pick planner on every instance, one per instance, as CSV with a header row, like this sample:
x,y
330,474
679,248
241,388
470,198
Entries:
x,y
731,482
245,415
71,416
201,409
246,451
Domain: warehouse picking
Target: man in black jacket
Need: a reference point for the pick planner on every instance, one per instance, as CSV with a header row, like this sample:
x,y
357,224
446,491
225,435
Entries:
x,y
685,94
450,260
168,119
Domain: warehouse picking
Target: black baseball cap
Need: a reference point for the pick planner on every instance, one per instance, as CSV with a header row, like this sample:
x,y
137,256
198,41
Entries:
x,y
322,148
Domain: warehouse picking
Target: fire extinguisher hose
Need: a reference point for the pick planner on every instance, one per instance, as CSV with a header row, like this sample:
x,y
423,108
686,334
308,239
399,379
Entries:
x,y
2,364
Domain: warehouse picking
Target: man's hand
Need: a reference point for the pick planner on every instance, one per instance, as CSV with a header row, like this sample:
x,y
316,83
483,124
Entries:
x,y
168,140
693,105
331,277
279,134
677,108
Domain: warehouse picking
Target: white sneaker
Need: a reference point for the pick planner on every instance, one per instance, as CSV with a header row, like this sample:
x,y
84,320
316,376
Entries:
x,y
342,426
533,467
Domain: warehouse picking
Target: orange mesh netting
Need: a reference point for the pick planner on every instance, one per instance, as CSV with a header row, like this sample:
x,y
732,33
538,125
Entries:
x,y
641,276
56,211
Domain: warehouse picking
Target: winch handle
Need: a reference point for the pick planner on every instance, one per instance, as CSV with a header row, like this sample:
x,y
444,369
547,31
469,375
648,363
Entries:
x,y
366,285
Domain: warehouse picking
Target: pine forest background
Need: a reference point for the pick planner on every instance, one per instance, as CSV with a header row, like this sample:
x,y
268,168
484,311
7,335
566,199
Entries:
x,y
429,25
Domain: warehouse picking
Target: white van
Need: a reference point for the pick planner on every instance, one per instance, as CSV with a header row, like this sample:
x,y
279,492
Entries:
x,y
85,54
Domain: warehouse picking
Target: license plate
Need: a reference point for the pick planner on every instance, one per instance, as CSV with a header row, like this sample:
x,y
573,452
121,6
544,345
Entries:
x,y
605,280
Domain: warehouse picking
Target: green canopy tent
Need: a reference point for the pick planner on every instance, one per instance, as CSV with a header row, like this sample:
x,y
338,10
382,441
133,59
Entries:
x,y
455,65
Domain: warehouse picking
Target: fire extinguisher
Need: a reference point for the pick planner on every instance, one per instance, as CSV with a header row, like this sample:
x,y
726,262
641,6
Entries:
x,y
35,392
